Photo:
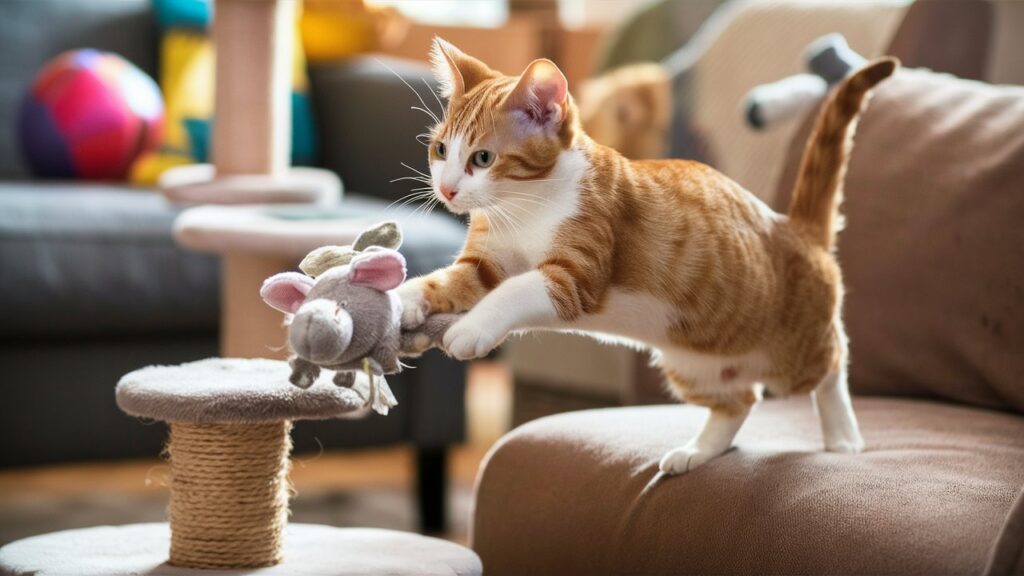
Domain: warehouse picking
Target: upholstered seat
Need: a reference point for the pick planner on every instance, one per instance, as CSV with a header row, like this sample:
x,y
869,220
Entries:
x,y
580,493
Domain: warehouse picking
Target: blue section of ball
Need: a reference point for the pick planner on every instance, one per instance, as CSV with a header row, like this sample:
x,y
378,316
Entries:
x,y
43,146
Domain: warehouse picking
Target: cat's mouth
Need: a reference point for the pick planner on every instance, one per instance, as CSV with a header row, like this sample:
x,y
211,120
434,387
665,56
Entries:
x,y
456,204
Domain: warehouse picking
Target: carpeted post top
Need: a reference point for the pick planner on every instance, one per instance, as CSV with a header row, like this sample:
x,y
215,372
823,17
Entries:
x,y
227,390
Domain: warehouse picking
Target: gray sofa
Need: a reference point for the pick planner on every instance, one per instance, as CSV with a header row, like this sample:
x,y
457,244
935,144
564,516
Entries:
x,y
93,286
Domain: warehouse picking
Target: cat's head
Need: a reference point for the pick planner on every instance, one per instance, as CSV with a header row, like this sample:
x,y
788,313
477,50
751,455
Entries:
x,y
501,135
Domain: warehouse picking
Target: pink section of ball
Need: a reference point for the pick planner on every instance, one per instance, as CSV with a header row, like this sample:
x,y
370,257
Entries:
x,y
107,112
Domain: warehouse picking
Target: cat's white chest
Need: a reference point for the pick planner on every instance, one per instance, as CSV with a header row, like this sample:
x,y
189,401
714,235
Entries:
x,y
535,211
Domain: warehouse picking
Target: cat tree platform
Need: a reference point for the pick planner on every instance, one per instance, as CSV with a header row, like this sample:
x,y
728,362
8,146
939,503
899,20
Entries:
x,y
228,450
308,549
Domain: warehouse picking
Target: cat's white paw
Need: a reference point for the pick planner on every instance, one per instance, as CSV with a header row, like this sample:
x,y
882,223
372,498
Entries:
x,y
845,445
470,338
685,459
415,307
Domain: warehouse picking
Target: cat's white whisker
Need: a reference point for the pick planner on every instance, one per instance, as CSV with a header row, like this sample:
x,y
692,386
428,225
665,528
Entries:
x,y
522,212
414,178
424,209
415,170
508,222
407,199
444,110
427,112
537,180
425,108
539,200
492,219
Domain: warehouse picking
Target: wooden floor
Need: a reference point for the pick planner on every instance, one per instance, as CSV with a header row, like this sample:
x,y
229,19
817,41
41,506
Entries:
x,y
489,399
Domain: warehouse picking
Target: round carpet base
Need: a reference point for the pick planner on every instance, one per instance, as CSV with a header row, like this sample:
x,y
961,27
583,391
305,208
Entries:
x,y
308,549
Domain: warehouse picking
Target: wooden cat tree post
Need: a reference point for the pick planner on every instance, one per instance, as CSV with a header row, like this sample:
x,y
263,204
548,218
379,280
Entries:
x,y
254,40
251,148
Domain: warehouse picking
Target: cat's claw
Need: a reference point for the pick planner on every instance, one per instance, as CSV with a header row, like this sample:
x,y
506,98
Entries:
x,y
685,459
468,339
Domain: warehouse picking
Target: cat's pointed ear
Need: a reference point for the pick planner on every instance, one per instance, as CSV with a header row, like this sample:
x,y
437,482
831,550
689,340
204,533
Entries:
x,y
541,93
456,71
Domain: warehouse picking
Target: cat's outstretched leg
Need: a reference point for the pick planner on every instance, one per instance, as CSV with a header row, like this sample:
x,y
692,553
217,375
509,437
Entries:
x,y
519,302
716,437
838,422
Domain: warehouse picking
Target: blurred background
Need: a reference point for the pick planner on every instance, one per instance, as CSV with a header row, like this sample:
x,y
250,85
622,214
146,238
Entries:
x,y
107,266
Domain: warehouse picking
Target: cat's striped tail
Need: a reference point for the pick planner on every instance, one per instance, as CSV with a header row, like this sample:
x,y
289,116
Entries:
x,y
819,184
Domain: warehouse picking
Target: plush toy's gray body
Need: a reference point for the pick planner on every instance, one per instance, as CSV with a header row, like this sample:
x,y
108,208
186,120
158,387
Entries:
x,y
347,318
339,325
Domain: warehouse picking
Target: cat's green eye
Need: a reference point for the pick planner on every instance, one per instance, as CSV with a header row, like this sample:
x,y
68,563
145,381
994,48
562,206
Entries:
x,y
483,158
441,150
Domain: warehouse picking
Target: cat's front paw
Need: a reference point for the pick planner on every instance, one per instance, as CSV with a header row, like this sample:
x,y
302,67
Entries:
x,y
415,307
685,459
470,338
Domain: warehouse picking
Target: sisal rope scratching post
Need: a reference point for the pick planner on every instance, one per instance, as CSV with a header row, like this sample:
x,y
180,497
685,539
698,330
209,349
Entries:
x,y
229,447
229,493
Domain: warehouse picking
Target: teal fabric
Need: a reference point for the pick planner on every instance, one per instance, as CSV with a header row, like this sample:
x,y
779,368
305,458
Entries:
x,y
198,15
304,136
198,130
182,13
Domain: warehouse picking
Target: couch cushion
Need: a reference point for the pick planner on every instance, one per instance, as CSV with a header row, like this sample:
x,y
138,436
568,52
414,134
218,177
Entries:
x,y
933,251
580,493
92,260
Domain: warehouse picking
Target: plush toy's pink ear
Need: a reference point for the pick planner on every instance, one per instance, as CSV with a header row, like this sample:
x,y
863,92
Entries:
x,y
382,269
286,291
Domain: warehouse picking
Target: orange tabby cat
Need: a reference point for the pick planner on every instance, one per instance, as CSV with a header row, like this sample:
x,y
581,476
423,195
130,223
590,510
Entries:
x,y
567,234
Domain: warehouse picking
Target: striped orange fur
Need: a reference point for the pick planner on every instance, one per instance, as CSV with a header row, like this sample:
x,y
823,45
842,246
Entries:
x,y
567,234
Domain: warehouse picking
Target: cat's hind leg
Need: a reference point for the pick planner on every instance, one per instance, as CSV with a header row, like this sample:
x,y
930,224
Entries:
x,y
838,422
728,412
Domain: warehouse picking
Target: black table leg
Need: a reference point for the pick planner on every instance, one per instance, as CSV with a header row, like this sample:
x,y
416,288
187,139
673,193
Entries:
x,y
432,488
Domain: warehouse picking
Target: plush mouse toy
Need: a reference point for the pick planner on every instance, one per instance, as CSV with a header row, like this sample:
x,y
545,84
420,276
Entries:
x,y
344,317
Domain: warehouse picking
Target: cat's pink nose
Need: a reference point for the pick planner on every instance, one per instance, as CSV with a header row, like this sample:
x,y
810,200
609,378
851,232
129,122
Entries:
x,y
448,192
